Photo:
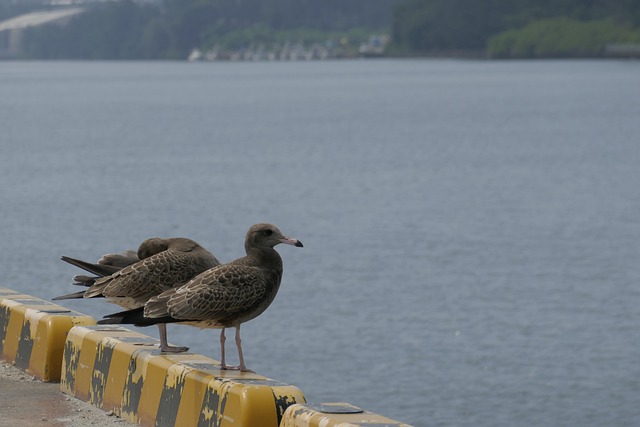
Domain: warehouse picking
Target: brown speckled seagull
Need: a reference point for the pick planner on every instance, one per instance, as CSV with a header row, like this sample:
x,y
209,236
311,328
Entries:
x,y
130,279
224,296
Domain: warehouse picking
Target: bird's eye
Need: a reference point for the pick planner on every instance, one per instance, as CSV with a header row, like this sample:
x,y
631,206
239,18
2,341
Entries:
x,y
267,232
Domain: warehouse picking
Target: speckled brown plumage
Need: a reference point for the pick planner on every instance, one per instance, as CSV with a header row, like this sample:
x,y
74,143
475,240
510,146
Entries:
x,y
224,296
162,264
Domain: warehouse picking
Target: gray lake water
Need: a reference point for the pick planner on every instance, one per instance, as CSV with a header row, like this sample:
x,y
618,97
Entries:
x,y
471,228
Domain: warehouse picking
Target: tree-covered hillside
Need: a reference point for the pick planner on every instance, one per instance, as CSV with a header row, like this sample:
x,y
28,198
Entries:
x,y
171,29
521,28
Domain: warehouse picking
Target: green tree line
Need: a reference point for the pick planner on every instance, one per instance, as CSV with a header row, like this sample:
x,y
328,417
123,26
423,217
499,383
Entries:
x,y
514,28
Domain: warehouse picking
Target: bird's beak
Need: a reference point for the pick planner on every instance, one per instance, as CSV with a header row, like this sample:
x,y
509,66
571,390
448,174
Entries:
x,y
291,241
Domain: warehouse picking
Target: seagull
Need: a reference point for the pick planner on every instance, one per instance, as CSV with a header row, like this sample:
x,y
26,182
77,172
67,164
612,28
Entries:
x,y
129,278
224,296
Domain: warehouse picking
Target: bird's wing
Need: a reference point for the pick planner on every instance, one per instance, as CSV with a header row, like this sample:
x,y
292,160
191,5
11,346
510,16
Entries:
x,y
146,278
215,295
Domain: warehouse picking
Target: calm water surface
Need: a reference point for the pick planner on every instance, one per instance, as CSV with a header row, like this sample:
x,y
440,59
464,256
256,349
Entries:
x,y
471,228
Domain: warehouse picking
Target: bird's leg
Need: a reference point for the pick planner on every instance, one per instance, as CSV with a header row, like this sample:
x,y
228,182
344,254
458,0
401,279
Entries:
x,y
223,365
243,367
164,346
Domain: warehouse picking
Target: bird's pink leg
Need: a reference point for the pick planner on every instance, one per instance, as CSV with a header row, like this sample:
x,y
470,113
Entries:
x,y
223,365
243,367
164,345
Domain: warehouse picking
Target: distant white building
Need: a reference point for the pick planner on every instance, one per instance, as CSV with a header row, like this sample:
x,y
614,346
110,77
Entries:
x,y
11,30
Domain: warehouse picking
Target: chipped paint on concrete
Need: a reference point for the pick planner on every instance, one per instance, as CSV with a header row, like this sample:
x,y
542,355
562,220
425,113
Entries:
x,y
213,405
171,395
25,345
298,417
5,312
282,402
104,352
6,308
33,316
71,356
133,385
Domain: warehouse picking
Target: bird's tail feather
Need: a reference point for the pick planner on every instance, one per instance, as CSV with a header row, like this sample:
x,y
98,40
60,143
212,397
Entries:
x,y
74,295
98,269
83,280
133,317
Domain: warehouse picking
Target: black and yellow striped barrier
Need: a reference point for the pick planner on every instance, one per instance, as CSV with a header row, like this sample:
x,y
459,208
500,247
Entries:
x,y
123,371
117,369
33,332
334,415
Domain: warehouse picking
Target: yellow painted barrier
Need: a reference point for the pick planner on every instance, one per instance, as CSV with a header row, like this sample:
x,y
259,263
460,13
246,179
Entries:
x,y
33,332
334,415
121,370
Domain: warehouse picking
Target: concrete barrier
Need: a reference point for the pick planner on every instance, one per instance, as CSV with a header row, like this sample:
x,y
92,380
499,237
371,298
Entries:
x,y
33,332
334,415
123,371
